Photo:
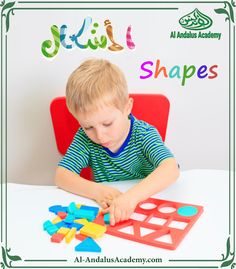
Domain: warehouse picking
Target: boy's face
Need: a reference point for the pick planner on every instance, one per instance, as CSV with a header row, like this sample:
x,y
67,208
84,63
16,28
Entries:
x,y
107,126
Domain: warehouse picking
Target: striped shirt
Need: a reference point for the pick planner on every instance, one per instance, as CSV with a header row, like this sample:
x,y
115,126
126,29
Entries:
x,y
140,154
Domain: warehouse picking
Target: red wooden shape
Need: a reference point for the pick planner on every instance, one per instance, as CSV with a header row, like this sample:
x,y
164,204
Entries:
x,y
62,215
80,237
99,219
57,238
173,225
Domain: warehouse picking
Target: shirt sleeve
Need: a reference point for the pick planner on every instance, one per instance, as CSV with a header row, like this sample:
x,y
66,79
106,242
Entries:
x,y
154,148
77,155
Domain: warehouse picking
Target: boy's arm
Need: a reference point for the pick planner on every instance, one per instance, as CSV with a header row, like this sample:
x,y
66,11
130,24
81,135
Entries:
x,y
162,177
71,182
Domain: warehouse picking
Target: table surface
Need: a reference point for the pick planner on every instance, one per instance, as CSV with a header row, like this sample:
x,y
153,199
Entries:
x,y
27,209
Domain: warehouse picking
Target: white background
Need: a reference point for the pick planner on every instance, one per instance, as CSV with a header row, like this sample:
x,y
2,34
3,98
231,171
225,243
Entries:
x,y
198,122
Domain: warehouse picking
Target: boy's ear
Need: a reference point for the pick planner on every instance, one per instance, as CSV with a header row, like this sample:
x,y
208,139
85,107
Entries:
x,y
129,105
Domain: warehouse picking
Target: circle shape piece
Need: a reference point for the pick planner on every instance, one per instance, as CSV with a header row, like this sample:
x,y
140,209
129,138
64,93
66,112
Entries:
x,y
187,211
148,206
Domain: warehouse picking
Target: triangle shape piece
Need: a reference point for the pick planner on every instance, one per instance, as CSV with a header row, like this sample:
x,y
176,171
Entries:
x,y
88,245
99,219
166,238
145,231
127,230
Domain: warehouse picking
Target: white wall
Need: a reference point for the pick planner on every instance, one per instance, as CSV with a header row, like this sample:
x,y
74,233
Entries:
x,y
198,124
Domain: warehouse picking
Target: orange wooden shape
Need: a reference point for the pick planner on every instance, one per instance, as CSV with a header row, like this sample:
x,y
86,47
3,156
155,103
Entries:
x,y
57,238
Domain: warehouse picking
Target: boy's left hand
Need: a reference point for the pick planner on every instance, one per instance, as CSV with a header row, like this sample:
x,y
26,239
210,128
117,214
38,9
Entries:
x,y
120,209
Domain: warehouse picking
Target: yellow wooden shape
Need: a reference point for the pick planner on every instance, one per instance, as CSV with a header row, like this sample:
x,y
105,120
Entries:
x,y
93,230
81,221
63,230
70,235
56,220
78,205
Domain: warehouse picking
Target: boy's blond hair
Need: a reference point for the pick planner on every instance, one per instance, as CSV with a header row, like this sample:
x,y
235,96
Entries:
x,y
94,83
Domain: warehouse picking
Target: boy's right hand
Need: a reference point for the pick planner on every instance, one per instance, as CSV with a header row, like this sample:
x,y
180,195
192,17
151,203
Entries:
x,y
105,195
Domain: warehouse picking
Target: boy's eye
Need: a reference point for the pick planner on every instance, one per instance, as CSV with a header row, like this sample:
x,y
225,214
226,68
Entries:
x,y
107,124
88,128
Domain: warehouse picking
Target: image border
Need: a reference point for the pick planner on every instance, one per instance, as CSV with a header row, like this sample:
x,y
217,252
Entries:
x,y
8,9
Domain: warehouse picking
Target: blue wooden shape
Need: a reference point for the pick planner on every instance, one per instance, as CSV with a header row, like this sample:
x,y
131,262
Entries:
x,y
60,224
47,224
187,211
78,226
67,225
91,208
89,245
64,209
55,208
84,214
69,218
52,229
106,218
72,208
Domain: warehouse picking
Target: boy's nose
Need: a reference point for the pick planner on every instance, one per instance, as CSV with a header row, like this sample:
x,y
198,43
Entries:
x,y
99,135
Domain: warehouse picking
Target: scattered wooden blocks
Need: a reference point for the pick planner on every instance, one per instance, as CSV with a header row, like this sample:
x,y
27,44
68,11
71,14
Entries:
x,y
69,220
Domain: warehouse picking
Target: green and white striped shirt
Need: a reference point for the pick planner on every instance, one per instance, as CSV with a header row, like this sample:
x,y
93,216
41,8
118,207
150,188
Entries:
x,y
142,152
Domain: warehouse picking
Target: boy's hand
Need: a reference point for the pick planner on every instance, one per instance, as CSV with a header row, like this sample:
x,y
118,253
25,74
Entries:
x,y
120,209
105,195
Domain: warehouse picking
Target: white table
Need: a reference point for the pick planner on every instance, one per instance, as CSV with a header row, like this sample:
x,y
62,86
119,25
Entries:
x,y
27,209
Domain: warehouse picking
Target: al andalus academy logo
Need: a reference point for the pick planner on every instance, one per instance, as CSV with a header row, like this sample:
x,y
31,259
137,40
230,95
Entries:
x,y
195,22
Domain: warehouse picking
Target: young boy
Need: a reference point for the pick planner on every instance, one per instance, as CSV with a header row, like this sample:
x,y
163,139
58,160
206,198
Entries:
x,y
115,144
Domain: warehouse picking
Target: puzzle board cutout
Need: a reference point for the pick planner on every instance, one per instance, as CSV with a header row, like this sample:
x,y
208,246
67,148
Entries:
x,y
158,223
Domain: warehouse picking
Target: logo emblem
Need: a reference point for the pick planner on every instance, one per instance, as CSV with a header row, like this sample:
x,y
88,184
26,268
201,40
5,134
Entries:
x,y
195,21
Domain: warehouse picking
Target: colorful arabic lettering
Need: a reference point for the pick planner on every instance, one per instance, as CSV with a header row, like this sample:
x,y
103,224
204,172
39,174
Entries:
x,y
47,44
60,36
129,40
109,30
